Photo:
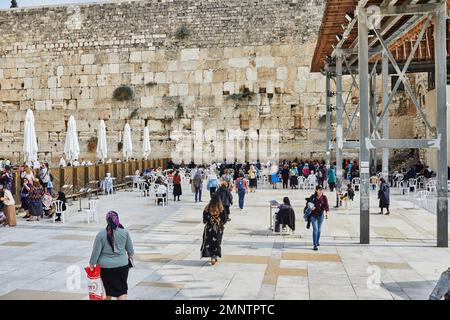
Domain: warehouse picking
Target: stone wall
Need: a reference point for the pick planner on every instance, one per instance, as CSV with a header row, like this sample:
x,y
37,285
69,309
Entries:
x,y
189,56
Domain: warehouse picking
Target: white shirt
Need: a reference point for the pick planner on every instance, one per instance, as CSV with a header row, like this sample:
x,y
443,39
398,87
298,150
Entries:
x,y
62,162
36,165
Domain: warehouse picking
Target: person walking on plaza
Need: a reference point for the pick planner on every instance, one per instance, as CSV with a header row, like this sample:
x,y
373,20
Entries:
x,y
294,177
252,178
113,251
226,197
383,195
332,178
212,184
36,195
319,211
285,176
274,175
197,185
177,190
241,189
214,219
9,207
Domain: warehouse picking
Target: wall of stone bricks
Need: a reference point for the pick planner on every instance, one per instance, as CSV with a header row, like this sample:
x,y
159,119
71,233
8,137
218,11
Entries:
x,y
68,60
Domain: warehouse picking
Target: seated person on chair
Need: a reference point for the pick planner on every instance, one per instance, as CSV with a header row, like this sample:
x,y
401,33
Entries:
x,y
285,216
161,191
108,187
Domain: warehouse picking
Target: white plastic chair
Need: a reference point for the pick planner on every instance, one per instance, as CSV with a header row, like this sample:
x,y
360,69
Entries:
x,y
301,182
144,187
91,212
412,184
404,187
59,209
356,183
431,185
422,196
160,196
398,178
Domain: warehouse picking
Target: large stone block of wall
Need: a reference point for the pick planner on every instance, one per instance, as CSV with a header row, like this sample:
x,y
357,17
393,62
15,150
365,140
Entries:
x,y
68,60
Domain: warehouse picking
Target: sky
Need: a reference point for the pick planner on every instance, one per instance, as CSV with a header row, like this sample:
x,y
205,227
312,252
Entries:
x,y
27,3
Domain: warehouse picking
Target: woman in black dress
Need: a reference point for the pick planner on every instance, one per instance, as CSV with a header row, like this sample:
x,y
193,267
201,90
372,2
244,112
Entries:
x,y
383,195
177,190
214,218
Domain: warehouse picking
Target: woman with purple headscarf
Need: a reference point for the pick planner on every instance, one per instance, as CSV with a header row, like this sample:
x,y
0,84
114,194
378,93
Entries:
x,y
113,251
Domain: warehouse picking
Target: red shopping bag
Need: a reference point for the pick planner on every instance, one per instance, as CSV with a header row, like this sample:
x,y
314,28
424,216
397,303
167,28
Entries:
x,y
95,284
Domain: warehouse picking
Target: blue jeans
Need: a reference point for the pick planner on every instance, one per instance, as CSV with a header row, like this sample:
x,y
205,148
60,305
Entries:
x,y
317,224
241,194
198,194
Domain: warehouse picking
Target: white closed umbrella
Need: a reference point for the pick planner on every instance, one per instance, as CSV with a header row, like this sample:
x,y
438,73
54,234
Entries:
x,y
72,147
102,148
146,147
126,142
30,147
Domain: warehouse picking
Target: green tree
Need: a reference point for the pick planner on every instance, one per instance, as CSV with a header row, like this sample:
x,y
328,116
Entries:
x,y
14,4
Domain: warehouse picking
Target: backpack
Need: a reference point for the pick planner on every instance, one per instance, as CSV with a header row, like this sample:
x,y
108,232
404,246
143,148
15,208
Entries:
x,y
241,184
197,181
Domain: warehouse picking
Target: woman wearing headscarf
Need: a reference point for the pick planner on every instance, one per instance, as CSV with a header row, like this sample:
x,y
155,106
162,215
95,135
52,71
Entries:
x,y
214,219
36,195
177,191
113,251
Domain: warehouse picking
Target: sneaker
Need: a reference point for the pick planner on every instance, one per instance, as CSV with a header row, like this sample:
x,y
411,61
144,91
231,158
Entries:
x,y
228,219
318,244
387,213
58,219
315,248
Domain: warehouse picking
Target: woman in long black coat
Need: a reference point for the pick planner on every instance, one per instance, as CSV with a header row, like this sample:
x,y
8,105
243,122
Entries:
x,y
383,195
214,218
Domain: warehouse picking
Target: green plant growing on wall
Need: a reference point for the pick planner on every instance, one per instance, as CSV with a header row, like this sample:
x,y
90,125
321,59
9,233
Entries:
x,y
179,112
151,84
123,93
14,4
242,95
182,33
134,113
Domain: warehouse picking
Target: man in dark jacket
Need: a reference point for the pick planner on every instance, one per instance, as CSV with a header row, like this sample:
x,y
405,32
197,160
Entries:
x,y
226,197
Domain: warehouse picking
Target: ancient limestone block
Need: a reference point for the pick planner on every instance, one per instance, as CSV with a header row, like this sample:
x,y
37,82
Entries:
x,y
251,74
113,68
190,54
136,56
282,73
239,62
87,59
267,62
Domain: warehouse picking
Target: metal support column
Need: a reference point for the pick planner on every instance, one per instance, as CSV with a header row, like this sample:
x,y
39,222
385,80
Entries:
x,y
373,152
441,104
339,129
364,134
385,120
328,119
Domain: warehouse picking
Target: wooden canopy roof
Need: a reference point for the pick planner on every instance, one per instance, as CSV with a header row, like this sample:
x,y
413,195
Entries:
x,y
334,22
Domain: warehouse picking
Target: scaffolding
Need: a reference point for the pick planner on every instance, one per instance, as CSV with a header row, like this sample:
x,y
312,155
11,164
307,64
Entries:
x,y
373,31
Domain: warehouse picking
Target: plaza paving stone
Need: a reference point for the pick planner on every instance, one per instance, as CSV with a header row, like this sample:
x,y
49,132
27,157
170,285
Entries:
x,y
38,257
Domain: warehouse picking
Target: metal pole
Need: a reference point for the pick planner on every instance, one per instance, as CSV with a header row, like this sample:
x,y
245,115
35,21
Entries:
x,y
441,104
374,116
328,120
385,120
339,130
363,61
